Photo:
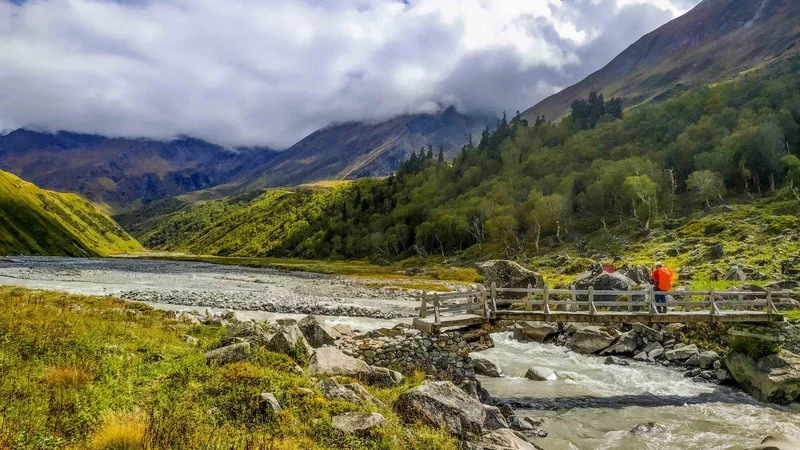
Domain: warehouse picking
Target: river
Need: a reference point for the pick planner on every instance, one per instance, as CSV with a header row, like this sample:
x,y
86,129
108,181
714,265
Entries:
x,y
591,406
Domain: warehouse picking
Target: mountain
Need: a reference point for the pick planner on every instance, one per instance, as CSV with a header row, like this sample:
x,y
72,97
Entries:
x,y
364,149
120,172
38,222
714,41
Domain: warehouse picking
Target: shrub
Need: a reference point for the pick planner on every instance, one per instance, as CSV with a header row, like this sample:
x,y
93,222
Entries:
x,y
120,431
67,376
754,348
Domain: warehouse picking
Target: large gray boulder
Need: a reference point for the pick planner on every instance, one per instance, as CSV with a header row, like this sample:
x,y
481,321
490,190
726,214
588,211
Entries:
x,y
504,439
494,418
735,274
638,273
535,331
358,422
229,354
625,345
591,339
246,332
315,332
330,362
332,390
603,281
540,374
773,378
289,340
682,353
444,405
508,274
486,368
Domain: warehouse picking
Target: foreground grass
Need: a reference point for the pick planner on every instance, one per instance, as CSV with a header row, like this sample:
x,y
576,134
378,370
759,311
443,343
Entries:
x,y
100,373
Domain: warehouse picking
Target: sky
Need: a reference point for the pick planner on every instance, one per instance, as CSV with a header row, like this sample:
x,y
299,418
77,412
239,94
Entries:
x,y
268,73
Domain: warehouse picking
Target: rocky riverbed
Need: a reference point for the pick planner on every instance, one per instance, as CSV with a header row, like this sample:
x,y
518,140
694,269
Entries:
x,y
204,285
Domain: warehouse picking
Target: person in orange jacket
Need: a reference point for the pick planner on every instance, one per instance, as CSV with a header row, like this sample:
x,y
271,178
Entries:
x,y
662,281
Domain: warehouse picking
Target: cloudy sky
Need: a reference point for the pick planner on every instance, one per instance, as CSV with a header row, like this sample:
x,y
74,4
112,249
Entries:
x,y
267,72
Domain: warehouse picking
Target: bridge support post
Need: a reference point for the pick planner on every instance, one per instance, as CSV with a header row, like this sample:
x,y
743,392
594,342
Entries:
x,y
592,309
484,303
651,297
712,298
771,309
423,308
529,300
494,299
546,306
436,309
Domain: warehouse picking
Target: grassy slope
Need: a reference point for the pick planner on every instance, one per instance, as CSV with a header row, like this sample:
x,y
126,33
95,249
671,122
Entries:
x,y
98,372
38,222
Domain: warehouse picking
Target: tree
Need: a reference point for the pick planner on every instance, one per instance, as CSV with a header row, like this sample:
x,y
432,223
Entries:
x,y
549,215
642,192
440,160
707,184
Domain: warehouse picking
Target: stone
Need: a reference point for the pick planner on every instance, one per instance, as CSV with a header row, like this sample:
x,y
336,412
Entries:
x,y
535,331
520,424
358,422
330,361
693,361
734,274
248,332
647,332
773,378
782,285
707,358
494,418
289,340
508,274
315,332
778,442
504,439
486,368
638,273
441,404
190,340
673,329
268,402
681,353
383,377
652,346
656,353
342,329
229,354
332,390
507,410
591,339
363,394
644,428
540,374
626,344
641,356
603,281
611,360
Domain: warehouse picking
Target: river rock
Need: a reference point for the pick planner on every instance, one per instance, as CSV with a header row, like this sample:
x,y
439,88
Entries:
x,y
638,273
681,353
494,418
383,377
778,442
358,422
504,439
625,345
773,378
229,354
520,424
535,331
591,339
315,332
509,274
330,361
441,404
647,332
268,402
332,390
645,428
652,346
707,358
641,356
486,368
692,361
656,353
540,374
289,340
613,360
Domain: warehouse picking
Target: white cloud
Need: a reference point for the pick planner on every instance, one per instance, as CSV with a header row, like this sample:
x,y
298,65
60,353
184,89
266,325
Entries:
x,y
269,72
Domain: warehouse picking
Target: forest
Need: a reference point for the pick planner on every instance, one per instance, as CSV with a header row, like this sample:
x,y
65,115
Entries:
x,y
522,188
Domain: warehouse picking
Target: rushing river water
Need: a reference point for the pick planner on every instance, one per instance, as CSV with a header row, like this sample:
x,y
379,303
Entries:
x,y
591,406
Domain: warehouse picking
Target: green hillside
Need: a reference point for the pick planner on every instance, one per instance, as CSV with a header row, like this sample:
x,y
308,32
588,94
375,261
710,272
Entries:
x,y
34,221
717,165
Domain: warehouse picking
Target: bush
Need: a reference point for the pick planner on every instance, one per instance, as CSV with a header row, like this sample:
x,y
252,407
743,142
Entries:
x,y
754,348
120,431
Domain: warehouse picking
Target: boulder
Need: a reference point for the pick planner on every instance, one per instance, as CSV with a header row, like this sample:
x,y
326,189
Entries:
x,y
229,354
363,394
358,422
342,329
782,285
494,418
641,356
734,274
773,378
540,374
535,331
591,339
652,346
613,360
315,332
383,377
625,345
518,423
647,332
486,368
638,273
504,439
645,428
289,340
681,353
441,404
508,274
778,442
603,281
332,390
706,359
656,353
268,402
692,361
248,332
330,361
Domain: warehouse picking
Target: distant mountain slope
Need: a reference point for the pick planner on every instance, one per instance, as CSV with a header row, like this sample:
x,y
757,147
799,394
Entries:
x,y
38,222
360,149
714,41
123,172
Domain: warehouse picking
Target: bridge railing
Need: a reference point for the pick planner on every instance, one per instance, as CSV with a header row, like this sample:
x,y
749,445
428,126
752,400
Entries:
x,y
589,300
453,303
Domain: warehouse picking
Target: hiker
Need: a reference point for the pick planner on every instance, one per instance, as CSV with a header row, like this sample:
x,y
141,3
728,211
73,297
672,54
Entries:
x,y
661,279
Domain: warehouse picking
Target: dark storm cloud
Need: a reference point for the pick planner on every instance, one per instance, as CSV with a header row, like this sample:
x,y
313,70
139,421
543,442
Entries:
x,y
269,72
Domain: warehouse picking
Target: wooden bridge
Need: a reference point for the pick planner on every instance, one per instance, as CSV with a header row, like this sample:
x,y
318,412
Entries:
x,y
459,309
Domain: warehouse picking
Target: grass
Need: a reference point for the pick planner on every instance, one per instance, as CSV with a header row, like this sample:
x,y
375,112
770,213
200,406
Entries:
x,y
83,372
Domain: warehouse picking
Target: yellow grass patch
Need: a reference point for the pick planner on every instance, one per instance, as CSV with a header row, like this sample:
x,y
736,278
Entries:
x,y
65,376
120,431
